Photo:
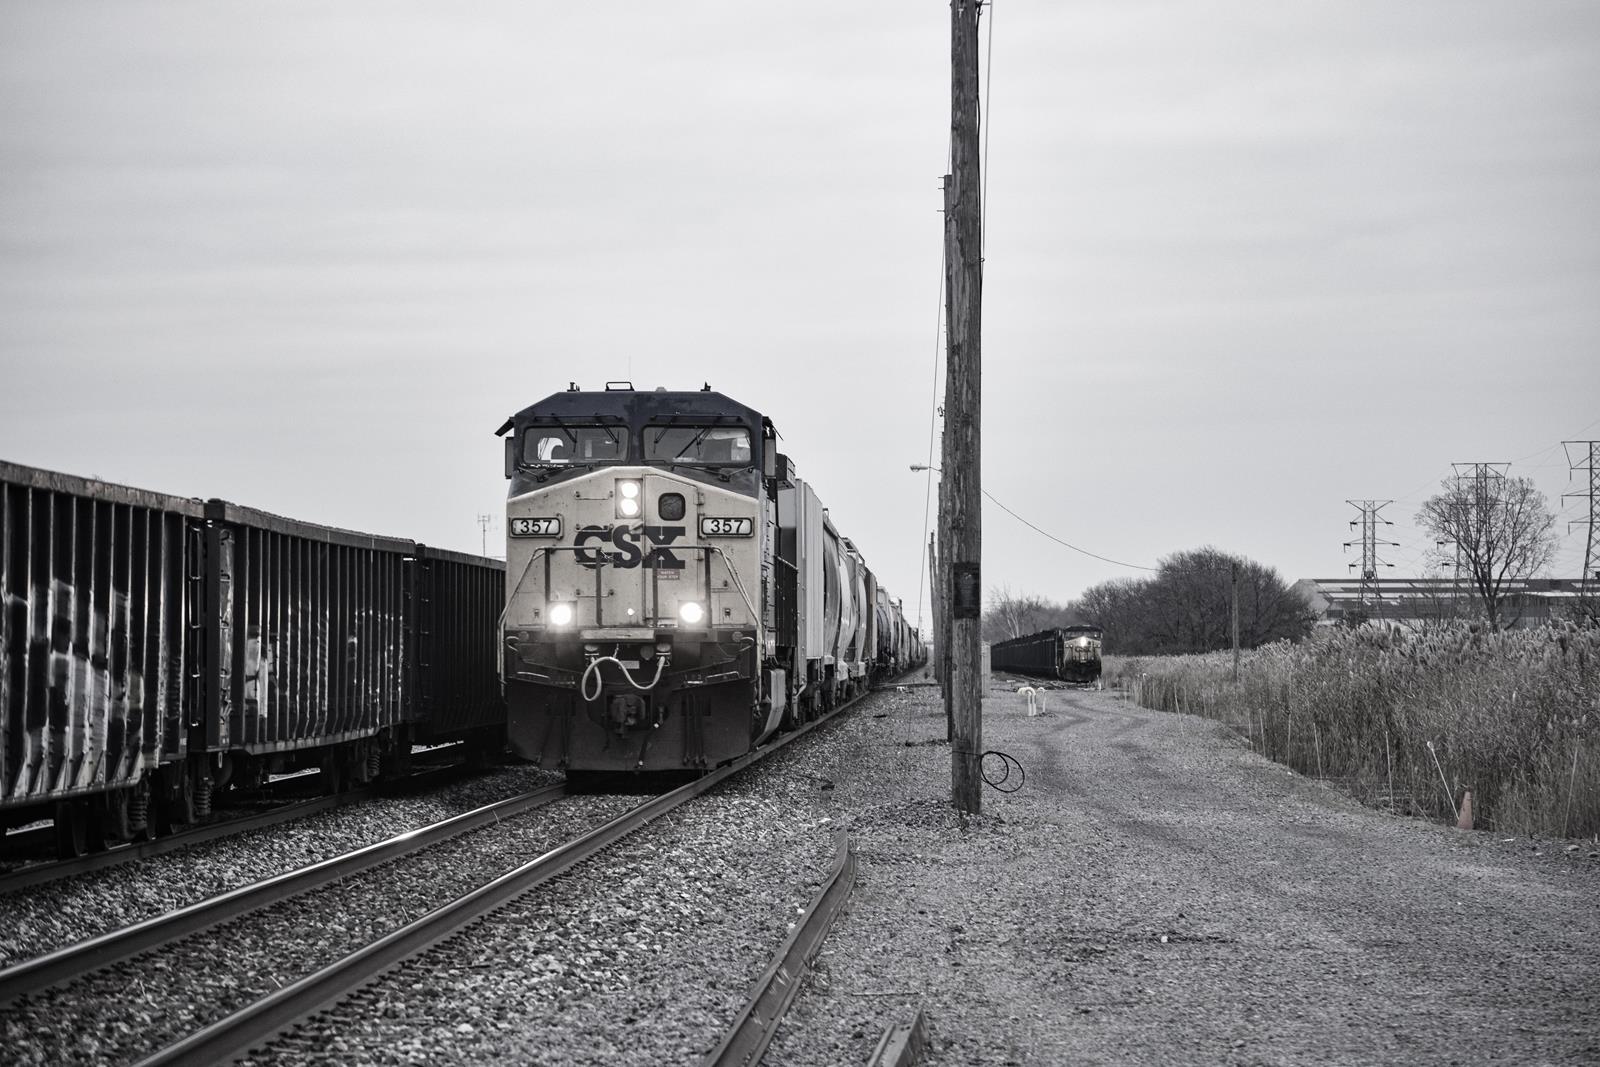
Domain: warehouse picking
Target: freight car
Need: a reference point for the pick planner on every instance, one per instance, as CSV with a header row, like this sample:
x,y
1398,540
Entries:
x,y
1068,654
675,592
156,649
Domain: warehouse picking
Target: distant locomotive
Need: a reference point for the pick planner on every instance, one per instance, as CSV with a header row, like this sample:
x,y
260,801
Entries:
x,y
675,594
1067,654
156,650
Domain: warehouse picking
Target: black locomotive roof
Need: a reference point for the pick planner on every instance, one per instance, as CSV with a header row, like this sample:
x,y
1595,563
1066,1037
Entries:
x,y
635,408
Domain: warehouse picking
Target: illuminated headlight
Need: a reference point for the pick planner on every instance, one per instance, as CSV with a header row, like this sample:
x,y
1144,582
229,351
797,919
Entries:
x,y
560,614
629,498
691,612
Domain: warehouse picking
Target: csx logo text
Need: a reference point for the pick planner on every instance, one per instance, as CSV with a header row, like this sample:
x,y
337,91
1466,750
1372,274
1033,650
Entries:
x,y
636,546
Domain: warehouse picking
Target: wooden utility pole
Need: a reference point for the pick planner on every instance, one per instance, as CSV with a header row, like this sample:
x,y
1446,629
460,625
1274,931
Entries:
x,y
961,535
935,634
1234,570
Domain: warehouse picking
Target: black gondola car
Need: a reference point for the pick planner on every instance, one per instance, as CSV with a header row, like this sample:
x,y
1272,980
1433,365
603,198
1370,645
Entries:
x,y
157,649
1067,654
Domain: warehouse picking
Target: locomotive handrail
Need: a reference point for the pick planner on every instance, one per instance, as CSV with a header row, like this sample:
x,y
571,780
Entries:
x,y
545,550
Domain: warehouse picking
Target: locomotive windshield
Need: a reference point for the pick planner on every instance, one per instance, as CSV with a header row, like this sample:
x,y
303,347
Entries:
x,y
561,446
711,446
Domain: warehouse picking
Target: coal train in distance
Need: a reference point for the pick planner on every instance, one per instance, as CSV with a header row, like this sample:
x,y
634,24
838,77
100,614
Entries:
x,y
676,594
158,650
1067,654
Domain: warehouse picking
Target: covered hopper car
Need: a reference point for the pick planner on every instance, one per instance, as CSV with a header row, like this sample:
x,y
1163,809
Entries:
x,y
675,592
1067,654
156,649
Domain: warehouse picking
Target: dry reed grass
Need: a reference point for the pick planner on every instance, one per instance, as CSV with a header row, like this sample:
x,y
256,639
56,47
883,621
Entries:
x,y
1397,714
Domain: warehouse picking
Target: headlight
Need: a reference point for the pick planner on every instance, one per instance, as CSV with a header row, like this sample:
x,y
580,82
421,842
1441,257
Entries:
x,y
691,612
629,497
560,614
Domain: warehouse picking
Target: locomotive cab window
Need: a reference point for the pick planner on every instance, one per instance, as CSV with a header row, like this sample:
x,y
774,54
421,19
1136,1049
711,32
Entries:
x,y
561,446
715,446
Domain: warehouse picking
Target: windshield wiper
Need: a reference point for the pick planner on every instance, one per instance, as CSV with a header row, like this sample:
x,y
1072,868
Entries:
x,y
701,436
723,471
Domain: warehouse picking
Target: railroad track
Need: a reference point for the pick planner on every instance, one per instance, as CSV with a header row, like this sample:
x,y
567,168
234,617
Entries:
x,y
747,1039
41,873
258,1023
66,964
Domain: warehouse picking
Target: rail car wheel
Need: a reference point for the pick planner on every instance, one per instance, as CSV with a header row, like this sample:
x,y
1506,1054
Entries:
x,y
72,828
177,806
479,753
140,826
111,820
397,760
332,772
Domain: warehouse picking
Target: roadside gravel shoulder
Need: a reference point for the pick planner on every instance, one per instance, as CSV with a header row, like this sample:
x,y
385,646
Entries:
x,y
1156,893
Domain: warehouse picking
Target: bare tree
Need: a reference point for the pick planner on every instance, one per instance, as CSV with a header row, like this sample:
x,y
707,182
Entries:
x,y
1499,528
1009,615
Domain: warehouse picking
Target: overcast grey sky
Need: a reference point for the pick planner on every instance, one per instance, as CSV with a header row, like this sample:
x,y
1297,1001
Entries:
x,y
1244,260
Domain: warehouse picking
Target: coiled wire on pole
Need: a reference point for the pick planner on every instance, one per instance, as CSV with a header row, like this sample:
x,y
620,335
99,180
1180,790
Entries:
x,y
1007,761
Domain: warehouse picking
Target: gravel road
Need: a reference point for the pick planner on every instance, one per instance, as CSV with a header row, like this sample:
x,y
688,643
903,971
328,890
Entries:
x,y
1157,893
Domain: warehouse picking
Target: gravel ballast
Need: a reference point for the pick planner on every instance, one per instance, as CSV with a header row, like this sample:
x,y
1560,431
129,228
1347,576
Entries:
x,y
132,1009
641,955
43,918
1157,893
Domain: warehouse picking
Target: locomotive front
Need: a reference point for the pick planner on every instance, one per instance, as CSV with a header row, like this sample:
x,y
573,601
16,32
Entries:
x,y
639,544
1080,654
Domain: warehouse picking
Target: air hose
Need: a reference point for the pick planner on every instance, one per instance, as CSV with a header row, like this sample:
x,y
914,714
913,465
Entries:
x,y
593,669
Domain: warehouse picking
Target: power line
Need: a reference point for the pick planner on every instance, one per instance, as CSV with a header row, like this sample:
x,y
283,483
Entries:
x,y
1064,544
933,415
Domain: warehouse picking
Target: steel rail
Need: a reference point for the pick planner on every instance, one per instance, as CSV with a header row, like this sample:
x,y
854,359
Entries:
x,y
902,1043
252,1026
71,961
746,1041
55,870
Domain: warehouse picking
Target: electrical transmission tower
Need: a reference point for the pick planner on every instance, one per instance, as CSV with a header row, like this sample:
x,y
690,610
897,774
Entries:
x,y
1369,543
1485,479
1585,456
483,530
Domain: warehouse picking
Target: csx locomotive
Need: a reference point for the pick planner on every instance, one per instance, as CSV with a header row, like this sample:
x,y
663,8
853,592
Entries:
x,y
675,594
1068,654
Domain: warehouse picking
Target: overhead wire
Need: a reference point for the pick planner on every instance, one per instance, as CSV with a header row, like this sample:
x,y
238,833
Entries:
x,y
1065,544
933,415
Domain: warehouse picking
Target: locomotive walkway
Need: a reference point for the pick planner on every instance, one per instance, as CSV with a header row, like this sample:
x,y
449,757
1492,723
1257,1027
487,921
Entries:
x,y
1157,893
